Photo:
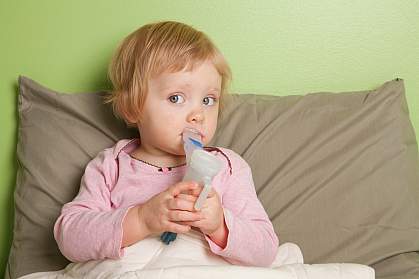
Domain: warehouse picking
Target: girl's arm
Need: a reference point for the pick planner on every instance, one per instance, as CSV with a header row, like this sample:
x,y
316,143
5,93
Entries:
x,y
89,227
134,228
251,238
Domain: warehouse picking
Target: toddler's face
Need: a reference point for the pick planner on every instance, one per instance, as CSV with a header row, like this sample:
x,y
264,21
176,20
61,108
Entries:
x,y
175,101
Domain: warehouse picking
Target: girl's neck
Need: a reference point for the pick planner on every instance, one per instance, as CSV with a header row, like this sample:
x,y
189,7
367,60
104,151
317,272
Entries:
x,y
157,159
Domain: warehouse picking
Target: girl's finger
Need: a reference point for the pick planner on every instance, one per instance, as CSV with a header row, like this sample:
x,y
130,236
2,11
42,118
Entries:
x,y
195,192
211,193
181,204
182,216
177,228
191,223
183,186
187,197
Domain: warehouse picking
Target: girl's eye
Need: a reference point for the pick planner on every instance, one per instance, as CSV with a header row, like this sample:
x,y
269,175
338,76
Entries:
x,y
209,101
176,99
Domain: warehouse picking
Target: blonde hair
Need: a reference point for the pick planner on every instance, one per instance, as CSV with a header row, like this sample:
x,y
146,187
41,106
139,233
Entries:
x,y
154,49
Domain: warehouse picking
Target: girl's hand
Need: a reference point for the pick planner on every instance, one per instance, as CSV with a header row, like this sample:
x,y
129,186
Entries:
x,y
212,216
168,212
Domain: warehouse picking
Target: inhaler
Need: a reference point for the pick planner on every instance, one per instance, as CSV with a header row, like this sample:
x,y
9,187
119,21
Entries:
x,y
202,166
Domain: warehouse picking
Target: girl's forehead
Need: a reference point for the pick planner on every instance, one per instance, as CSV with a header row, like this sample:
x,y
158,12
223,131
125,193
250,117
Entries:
x,y
182,67
187,75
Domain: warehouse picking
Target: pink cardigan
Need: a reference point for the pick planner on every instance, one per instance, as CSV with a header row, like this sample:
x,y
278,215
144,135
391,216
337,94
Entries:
x,y
90,226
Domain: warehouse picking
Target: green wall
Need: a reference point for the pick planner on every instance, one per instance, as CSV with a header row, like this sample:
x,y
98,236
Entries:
x,y
274,47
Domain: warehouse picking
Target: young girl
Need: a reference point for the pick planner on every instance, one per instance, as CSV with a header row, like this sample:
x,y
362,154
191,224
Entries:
x,y
167,77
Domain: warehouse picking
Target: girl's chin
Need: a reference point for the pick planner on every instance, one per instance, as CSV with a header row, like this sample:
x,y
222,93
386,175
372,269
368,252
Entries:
x,y
179,151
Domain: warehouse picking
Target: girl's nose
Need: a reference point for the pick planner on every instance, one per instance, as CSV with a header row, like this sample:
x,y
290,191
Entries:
x,y
197,116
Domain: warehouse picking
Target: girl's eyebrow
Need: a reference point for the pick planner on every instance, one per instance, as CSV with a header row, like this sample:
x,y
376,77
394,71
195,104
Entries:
x,y
173,86
186,86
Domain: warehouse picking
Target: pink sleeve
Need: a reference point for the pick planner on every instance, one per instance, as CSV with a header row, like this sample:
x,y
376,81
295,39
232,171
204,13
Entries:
x,y
88,227
251,239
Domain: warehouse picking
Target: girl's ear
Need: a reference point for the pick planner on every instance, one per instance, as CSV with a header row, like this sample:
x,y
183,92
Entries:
x,y
132,119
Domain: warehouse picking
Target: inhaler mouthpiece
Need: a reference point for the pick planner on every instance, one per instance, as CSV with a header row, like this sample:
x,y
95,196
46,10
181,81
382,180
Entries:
x,y
191,141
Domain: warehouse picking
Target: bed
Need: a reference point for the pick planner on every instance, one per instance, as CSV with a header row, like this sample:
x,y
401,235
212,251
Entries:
x,y
337,172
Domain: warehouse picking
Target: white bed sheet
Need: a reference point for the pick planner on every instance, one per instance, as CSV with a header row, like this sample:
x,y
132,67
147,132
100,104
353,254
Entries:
x,y
189,257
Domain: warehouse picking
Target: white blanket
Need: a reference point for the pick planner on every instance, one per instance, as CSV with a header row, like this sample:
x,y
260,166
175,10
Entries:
x,y
189,257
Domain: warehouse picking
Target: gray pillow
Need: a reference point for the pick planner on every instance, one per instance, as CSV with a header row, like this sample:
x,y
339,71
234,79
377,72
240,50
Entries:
x,y
337,173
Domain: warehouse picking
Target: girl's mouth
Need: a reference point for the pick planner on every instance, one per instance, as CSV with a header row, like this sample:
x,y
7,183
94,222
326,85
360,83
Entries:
x,y
196,134
194,131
